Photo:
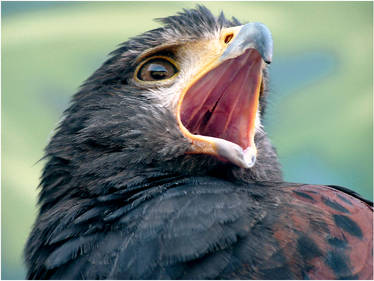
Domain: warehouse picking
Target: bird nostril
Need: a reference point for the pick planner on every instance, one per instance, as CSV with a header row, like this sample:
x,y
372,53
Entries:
x,y
228,38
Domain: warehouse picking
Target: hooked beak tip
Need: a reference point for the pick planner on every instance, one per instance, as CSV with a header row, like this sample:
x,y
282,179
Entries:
x,y
268,60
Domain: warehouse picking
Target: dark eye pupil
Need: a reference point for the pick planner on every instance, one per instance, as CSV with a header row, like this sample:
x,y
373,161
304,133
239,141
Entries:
x,y
157,75
156,69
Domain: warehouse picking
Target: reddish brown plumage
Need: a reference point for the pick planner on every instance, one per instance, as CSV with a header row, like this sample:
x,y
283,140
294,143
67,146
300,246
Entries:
x,y
337,231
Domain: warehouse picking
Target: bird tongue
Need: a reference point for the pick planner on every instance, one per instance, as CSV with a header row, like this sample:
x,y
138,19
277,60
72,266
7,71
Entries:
x,y
223,103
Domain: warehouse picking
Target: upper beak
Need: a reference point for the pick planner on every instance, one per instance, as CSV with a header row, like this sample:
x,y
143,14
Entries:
x,y
253,35
234,77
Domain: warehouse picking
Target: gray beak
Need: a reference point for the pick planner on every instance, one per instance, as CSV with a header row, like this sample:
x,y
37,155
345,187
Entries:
x,y
252,35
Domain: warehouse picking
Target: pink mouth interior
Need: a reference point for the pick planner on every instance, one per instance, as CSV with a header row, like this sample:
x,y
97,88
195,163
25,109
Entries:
x,y
223,103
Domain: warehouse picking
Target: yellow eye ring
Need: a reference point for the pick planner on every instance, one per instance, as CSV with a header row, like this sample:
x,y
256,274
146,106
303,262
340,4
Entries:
x,y
160,63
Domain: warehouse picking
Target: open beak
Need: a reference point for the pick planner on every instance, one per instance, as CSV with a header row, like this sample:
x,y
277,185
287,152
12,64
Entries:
x,y
217,111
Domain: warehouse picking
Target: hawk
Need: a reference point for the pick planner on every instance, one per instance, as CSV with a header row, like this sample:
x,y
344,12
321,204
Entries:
x,y
161,169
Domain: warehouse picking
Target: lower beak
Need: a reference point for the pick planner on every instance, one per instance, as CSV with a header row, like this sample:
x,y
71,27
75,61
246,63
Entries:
x,y
218,112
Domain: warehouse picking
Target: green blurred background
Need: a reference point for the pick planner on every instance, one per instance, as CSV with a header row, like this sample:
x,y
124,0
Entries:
x,y
319,117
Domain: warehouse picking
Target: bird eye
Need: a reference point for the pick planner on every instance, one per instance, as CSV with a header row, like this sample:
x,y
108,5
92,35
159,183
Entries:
x,y
156,69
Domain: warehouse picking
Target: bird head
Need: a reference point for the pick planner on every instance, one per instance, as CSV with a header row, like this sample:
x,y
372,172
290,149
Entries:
x,y
187,97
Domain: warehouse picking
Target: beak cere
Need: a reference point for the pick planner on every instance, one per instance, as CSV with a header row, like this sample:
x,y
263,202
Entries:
x,y
218,111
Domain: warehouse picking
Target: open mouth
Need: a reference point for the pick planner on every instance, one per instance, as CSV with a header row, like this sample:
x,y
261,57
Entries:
x,y
223,103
